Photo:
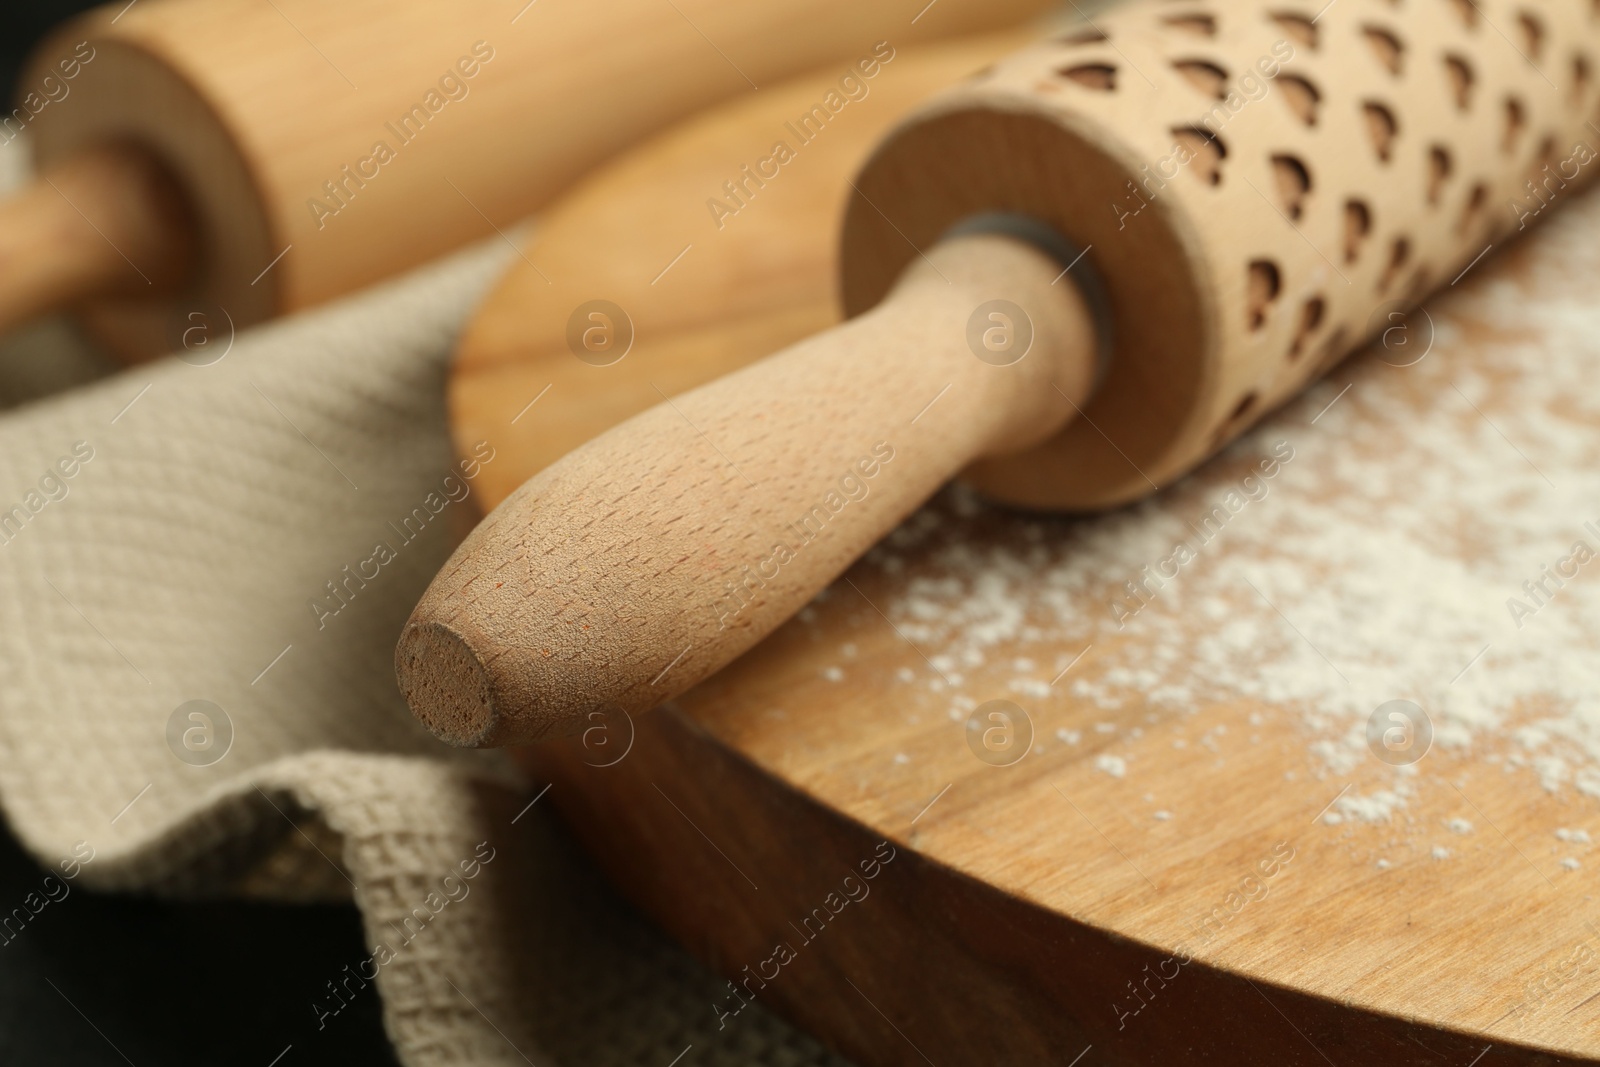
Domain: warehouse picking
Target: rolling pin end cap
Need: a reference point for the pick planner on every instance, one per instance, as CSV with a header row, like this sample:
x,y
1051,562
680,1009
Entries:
x,y
449,689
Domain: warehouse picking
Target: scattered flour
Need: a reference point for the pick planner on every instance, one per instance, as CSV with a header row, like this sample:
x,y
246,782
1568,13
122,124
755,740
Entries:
x,y
1420,540
1030,687
833,674
1571,863
1377,807
1440,852
1579,836
1115,766
1459,826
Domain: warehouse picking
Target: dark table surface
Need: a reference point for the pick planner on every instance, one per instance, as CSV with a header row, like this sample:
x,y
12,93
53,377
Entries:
x,y
107,979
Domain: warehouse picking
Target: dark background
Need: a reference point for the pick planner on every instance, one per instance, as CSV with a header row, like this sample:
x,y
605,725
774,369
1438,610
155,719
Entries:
x,y
108,979
116,980
22,23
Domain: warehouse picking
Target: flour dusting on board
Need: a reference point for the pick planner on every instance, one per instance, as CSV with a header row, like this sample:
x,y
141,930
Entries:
x,y
1431,535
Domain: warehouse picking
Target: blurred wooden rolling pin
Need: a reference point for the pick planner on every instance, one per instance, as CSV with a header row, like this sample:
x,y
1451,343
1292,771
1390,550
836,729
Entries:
x,y
695,293
1251,191
252,157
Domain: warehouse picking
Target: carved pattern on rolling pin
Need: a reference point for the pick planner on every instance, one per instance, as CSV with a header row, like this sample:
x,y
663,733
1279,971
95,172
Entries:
x,y
1256,182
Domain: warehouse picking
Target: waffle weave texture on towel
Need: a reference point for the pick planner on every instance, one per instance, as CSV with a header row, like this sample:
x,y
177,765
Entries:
x,y
208,509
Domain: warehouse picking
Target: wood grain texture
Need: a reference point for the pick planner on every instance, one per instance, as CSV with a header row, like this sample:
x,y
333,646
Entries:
x,y
568,599
635,566
1016,919
1032,913
703,293
1038,909
362,138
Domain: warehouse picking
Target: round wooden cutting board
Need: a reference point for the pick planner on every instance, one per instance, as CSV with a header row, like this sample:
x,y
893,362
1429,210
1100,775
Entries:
x,y
1193,878
1195,832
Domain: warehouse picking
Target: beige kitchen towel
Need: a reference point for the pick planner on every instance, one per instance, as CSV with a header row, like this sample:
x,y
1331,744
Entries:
x,y
204,563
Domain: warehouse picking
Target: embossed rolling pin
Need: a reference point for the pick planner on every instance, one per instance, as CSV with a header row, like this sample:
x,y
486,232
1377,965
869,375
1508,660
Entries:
x,y
259,157
1239,193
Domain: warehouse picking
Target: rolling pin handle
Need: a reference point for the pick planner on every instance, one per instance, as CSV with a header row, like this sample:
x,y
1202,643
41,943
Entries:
x,y
654,555
106,222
